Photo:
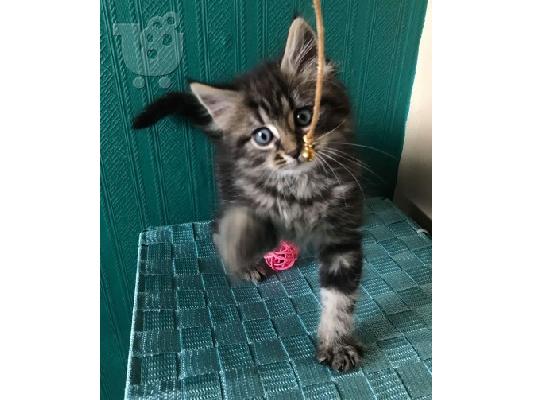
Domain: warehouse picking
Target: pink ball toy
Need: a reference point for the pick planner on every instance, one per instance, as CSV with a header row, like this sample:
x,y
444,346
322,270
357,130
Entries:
x,y
283,257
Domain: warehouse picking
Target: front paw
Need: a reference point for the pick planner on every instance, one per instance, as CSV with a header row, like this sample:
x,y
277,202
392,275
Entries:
x,y
252,276
257,273
341,356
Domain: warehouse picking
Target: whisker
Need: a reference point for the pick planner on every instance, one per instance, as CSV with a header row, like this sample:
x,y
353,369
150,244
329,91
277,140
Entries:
x,y
321,164
335,175
347,157
329,167
318,140
370,148
351,174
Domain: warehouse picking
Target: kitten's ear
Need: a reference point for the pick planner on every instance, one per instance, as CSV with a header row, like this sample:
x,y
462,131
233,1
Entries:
x,y
301,48
221,104
180,104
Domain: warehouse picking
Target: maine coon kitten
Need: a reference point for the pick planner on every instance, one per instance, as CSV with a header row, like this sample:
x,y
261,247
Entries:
x,y
268,192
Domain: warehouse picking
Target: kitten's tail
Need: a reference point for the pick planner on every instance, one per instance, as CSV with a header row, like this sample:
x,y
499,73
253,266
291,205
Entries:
x,y
175,103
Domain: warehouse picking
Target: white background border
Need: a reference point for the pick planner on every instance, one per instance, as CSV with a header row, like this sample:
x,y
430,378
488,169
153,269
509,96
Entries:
x,y
482,211
483,205
49,166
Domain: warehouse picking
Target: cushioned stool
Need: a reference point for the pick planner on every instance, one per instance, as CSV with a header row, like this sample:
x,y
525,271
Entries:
x,y
198,334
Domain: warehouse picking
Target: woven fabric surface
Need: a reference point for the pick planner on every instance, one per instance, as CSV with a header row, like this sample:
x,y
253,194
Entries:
x,y
198,334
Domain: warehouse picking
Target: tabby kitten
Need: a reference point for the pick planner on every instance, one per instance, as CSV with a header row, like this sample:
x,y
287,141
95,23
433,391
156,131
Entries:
x,y
268,192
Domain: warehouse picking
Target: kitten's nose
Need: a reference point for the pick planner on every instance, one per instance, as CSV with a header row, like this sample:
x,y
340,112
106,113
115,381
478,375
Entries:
x,y
294,153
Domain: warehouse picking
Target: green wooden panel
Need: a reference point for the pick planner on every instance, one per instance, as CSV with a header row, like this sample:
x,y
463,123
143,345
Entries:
x,y
164,175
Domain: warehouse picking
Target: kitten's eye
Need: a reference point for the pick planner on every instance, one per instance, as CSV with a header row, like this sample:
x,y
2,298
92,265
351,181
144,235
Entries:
x,y
303,116
262,136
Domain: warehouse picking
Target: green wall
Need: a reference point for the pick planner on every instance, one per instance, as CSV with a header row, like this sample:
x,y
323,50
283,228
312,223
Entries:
x,y
164,176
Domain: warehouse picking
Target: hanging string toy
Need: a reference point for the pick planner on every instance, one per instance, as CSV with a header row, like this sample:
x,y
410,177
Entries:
x,y
285,255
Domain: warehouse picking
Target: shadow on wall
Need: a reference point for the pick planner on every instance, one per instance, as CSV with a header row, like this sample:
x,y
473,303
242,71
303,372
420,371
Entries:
x,y
414,186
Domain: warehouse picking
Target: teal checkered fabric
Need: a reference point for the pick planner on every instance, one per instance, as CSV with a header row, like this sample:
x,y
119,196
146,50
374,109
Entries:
x,y
198,334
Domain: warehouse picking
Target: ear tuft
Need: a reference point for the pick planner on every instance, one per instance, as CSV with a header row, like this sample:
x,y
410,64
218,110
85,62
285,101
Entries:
x,y
221,104
301,47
